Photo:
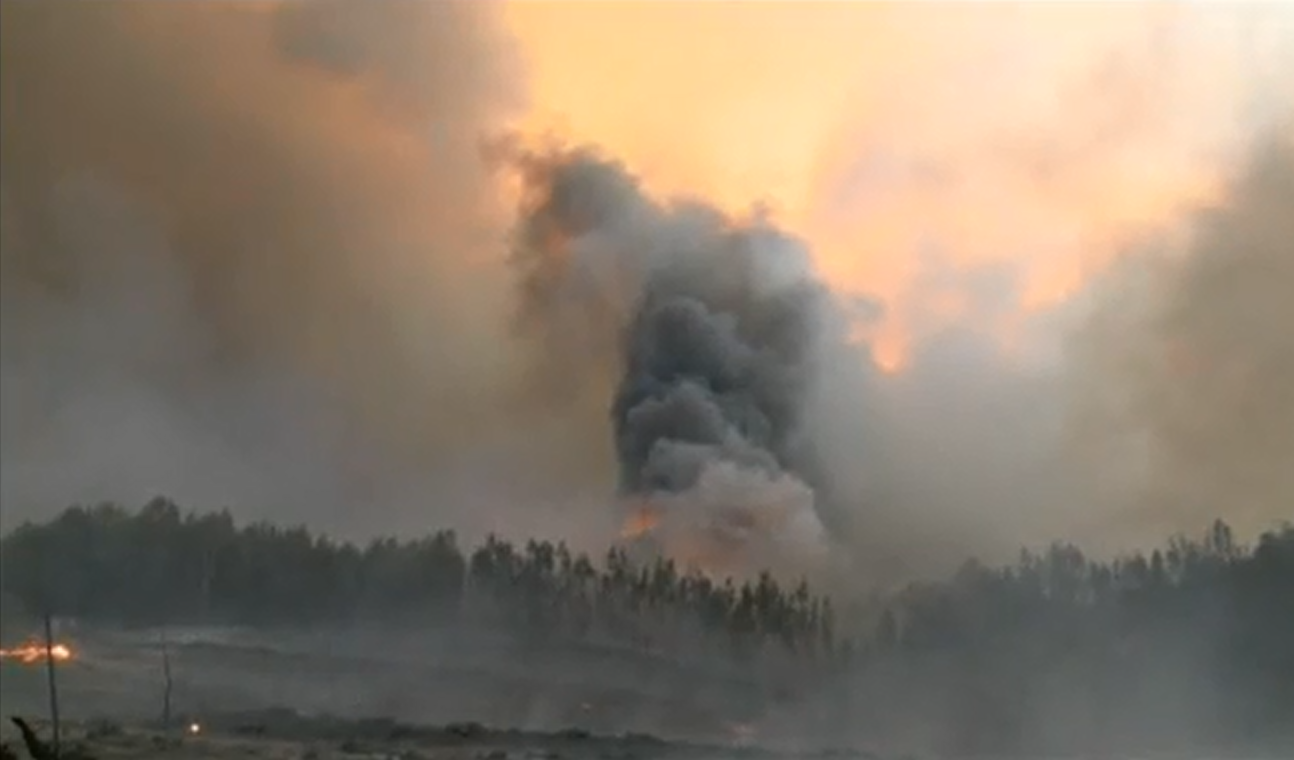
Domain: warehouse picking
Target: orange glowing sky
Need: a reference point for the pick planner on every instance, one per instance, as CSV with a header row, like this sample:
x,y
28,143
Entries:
x,y
915,146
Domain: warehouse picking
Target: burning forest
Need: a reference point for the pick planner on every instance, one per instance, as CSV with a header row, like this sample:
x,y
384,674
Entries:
x,y
531,375
718,327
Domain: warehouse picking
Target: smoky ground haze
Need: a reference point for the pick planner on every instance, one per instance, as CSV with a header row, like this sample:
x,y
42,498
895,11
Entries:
x,y
260,256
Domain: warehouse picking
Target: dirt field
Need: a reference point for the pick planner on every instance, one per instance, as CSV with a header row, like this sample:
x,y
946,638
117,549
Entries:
x,y
339,695
280,735
365,694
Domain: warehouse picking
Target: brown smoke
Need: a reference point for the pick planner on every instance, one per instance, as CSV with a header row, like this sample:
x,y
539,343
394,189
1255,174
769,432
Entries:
x,y
235,231
1187,364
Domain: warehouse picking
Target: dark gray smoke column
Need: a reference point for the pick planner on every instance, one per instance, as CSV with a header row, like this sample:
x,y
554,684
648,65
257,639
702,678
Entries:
x,y
714,324
714,368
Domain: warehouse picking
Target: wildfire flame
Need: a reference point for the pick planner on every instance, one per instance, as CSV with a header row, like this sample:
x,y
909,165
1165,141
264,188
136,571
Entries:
x,y
710,550
641,521
32,652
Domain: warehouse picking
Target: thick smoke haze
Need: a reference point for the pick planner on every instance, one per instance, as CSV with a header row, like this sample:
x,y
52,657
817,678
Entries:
x,y
279,257
252,257
1190,358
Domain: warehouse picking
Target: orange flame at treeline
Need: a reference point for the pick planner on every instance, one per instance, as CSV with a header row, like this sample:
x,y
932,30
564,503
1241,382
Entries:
x,y
642,520
31,653
708,550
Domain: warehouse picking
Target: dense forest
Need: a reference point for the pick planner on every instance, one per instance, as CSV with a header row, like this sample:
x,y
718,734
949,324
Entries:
x,y
1188,645
1188,648
159,566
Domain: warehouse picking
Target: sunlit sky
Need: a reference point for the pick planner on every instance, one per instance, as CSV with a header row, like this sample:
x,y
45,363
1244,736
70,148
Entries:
x,y
960,162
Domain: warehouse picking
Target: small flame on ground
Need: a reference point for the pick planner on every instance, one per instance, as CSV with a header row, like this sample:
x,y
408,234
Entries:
x,y
195,728
31,653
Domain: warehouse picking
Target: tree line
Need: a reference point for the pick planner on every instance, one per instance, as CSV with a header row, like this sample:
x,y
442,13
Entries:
x,y
1185,647
159,565
1189,647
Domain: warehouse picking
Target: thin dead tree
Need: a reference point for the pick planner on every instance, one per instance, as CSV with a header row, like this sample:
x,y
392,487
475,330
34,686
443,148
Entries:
x,y
166,684
53,682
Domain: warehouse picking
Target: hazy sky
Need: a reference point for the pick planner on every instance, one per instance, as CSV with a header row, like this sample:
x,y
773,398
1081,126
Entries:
x,y
922,147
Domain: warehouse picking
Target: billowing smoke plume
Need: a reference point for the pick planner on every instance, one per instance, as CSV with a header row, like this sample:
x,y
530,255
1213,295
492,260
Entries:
x,y
714,327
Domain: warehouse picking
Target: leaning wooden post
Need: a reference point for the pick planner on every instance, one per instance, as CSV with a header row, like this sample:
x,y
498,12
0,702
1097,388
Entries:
x,y
53,685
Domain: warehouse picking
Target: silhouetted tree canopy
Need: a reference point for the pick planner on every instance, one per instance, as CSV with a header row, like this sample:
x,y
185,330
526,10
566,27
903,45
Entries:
x,y
159,565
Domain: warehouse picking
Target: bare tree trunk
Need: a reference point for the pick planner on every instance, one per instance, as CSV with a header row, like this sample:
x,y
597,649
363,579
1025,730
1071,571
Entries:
x,y
167,683
53,685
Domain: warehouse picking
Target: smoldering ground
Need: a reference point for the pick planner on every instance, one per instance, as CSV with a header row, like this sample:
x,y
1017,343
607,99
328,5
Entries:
x,y
253,255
